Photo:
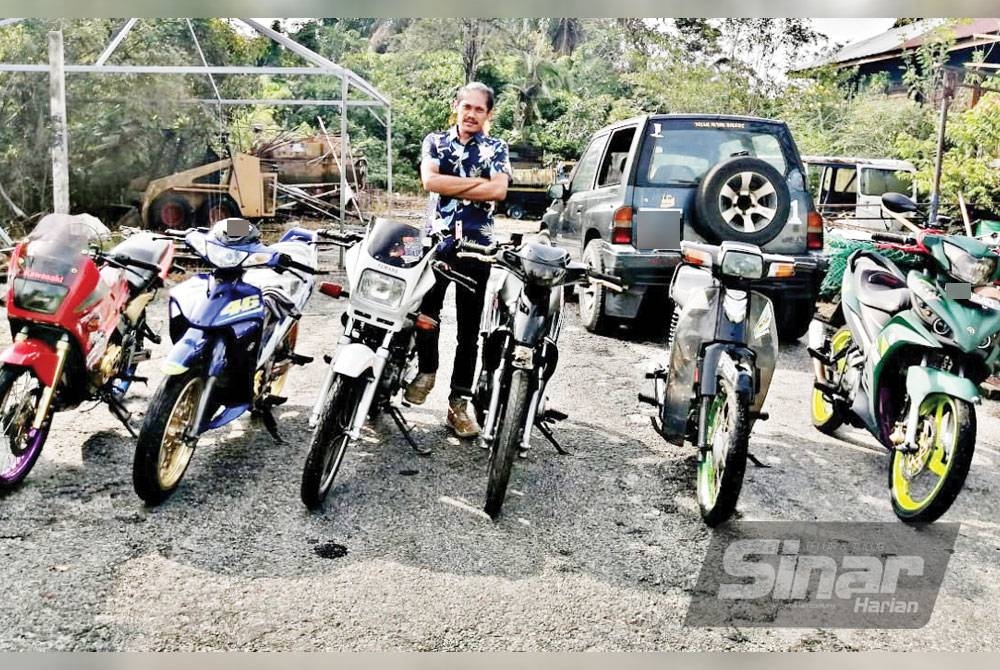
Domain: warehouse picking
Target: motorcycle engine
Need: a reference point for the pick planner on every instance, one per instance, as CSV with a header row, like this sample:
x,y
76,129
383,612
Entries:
x,y
108,366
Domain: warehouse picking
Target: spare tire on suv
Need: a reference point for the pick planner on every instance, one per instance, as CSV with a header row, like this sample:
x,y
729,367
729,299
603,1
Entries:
x,y
743,199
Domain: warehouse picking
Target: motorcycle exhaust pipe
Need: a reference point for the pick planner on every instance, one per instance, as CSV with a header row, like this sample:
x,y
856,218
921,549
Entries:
x,y
816,340
45,402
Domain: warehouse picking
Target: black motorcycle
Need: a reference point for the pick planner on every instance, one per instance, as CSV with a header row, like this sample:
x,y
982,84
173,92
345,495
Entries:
x,y
519,330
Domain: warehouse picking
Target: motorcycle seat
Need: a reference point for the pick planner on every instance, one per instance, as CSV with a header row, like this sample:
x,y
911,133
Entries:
x,y
879,287
286,283
142,247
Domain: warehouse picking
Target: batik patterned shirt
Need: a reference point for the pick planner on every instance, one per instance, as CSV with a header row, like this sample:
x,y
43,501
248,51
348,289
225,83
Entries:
x,y
482,156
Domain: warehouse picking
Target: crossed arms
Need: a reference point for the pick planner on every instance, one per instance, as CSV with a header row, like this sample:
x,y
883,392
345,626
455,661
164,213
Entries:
x,y
469,188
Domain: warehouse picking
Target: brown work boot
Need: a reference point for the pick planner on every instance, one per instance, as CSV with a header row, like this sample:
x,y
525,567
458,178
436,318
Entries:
x,y
416,392
460,420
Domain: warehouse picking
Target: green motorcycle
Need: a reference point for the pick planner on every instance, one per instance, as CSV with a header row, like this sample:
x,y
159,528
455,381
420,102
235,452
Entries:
x,y
908,358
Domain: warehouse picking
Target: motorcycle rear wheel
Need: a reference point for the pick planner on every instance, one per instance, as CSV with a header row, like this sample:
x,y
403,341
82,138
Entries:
x,y
947,431
20,445
164,448
330,440
508,441
721,468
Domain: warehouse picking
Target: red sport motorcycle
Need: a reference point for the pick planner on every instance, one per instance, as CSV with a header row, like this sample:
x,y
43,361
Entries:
x,y
78,320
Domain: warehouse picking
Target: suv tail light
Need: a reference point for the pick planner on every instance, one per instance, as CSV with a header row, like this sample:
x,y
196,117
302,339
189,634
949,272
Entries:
x,y
621,226
814,231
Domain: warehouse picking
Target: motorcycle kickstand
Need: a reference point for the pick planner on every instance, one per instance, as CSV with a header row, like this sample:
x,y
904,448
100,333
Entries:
x,y
547,432
753,459
404,428
122,414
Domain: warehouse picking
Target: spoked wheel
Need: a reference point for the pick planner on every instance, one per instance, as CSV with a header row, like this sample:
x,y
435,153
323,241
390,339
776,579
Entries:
x,y
20,444
330,440
924,483
167,437
826,415
721,467
507,441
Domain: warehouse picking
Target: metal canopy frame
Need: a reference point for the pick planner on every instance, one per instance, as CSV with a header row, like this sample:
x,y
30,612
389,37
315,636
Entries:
x,y
318,66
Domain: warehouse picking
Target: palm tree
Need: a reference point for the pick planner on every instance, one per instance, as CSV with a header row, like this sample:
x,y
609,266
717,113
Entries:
x,y
565,35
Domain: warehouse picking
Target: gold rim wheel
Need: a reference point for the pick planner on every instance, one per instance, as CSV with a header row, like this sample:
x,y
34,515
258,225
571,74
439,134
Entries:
x,y
176,447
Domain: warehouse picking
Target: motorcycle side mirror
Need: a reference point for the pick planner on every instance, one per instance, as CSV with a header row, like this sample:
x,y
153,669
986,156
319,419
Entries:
x,y
516,239
557,191
898,203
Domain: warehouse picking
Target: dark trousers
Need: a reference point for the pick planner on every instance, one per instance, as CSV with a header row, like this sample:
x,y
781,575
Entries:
x,y
468,309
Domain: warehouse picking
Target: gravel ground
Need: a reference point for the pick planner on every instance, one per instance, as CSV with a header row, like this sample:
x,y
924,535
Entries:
x,y
595,551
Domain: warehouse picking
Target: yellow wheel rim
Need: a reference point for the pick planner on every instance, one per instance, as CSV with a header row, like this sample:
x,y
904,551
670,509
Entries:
x,y
937,439
822,408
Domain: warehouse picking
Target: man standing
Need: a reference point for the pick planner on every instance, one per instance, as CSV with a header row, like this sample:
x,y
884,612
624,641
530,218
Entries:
x,y
468,171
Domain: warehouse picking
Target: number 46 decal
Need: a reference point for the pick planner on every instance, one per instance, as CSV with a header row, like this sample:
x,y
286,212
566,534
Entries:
x,y
239,306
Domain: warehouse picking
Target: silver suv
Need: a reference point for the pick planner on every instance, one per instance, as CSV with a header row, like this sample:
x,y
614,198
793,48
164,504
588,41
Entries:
x,y
643,185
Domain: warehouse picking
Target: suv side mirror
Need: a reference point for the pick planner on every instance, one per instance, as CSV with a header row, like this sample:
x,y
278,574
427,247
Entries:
x,y
558,191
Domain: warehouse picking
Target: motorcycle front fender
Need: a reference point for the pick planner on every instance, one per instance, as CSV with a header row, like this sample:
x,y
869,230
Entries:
x,y
721,360
35,355
194,349
531,321
922,382
352,360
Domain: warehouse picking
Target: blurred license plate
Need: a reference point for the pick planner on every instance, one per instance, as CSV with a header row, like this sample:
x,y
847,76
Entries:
x,y
658,229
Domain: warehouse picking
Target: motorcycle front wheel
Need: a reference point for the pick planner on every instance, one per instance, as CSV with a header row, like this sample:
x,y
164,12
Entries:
x,y
923,484
20,444
167,438
508,440
722,465
330,439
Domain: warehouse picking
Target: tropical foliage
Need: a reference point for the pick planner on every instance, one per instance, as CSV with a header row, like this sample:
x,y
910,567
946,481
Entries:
x,y
558,80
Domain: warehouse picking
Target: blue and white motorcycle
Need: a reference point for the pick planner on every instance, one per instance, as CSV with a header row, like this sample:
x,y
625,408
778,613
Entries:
x,y
234,331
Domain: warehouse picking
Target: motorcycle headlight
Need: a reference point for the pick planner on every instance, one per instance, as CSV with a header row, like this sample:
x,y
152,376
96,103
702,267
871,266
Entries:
x,y
381,288
966,267
742,264
224,257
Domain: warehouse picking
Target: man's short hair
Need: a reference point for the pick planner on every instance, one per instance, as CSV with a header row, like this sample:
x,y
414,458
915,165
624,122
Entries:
x,y
478,87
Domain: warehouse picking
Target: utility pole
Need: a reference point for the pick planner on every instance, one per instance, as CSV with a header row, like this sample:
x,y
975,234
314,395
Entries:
x,y
60,135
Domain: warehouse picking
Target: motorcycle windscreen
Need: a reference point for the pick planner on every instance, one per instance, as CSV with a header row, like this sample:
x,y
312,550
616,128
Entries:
x,y
762,338
397,244
695,325
54,259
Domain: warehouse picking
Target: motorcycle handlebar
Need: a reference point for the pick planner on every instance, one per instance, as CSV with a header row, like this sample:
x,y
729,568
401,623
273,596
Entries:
x,y
894,238
342,239
127,260
472,247
609,280
285,261
466,282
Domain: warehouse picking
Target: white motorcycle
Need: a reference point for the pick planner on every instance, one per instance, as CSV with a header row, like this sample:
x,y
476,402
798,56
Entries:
x,y
389,271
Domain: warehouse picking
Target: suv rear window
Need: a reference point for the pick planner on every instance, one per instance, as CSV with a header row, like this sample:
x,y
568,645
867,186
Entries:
x,y
682,151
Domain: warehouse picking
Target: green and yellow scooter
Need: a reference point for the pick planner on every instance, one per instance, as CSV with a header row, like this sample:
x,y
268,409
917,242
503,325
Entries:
x,y
907,359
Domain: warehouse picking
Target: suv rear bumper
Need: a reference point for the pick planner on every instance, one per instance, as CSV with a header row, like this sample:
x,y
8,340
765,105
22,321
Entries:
x,y
656,268
803,286
639,268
